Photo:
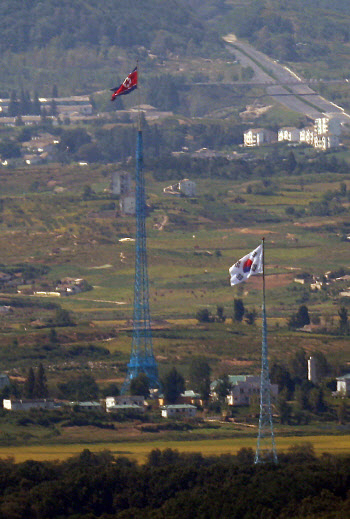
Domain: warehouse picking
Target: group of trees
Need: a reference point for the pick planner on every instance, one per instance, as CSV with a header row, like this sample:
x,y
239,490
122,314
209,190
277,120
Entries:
x,y
173,485
301,318
36,384
173,382
239,312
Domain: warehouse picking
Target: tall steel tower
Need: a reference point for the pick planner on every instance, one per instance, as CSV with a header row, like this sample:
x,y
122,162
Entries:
x,y
266,447
142,359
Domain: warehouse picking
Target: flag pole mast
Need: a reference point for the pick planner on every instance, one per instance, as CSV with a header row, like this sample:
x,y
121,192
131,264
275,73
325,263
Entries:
x,y
138,98
265,418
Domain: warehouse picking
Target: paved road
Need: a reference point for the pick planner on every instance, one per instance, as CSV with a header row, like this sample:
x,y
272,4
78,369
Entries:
x,y
277,76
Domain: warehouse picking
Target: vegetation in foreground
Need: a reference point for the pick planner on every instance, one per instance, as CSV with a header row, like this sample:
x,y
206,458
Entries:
x,y
171,485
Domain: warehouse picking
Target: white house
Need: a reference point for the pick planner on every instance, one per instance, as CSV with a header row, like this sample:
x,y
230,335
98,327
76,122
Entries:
x,y
179,411
326,141
138,400
244,388
312,374
258,136
343,385
115,404
307,135
24,405
288,133
324,125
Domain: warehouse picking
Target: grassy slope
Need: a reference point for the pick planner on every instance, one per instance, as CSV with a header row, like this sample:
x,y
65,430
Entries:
x,y
186,274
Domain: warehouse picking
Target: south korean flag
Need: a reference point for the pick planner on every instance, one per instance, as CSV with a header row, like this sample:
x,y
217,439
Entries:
x,y
247,266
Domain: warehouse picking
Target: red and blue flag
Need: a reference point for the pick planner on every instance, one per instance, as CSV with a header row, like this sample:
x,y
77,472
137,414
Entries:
x,y
129,84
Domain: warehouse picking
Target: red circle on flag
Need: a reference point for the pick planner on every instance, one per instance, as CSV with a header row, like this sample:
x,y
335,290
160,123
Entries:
x,y
247,265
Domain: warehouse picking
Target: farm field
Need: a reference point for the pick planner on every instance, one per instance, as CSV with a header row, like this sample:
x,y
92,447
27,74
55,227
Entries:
x,y
188,261
139,451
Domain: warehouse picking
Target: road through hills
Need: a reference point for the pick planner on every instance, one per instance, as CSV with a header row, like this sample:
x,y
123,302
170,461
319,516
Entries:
x,y
283,84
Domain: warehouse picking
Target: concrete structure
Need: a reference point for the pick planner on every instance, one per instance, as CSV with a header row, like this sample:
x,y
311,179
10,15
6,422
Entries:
x,y
25,405
179,411
88,405
185,187
128,205
121,182
4,379
312,370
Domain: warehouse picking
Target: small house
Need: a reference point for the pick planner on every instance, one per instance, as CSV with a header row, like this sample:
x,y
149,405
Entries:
x,y
179,411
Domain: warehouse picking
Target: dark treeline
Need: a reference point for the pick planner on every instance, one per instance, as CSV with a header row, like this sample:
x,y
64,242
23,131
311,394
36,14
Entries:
x,y
161,26
172,485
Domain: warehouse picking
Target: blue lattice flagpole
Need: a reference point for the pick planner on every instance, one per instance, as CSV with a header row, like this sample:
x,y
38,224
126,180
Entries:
x,y
266,447
142,359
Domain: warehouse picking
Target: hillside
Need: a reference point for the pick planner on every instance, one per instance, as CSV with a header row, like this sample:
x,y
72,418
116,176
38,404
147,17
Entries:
x,y
81,42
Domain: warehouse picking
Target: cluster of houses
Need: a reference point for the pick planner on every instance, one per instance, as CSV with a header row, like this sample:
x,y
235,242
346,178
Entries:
x,y
244,390
322,135
65,287
185,188
121,186
74,107
317,282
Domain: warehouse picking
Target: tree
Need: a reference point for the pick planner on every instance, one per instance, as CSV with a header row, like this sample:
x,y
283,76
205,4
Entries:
x,y
29,384
140,385
53,336
316,400
87,193
14,105
283,408
291,163
40,385
80,388
223,387
298,365
72,140
220,317
36,106
110,390
199,376
300,319
63,318
280,375
343,320
238,310
173,385
204,316
250,316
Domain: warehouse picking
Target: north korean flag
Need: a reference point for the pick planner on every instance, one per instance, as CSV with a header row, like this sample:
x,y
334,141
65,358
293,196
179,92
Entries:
x,y
129,84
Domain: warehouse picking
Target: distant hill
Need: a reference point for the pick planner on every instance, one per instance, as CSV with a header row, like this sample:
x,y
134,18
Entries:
x,y
54,37
84,46
68,24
